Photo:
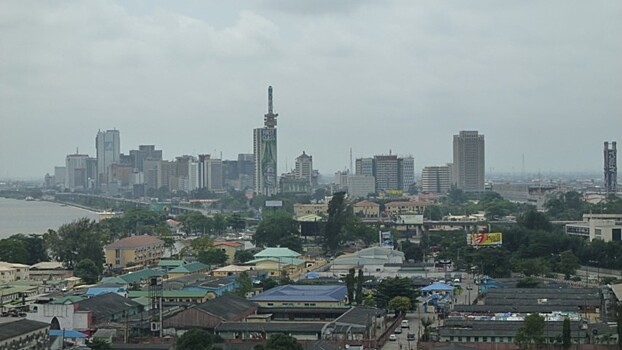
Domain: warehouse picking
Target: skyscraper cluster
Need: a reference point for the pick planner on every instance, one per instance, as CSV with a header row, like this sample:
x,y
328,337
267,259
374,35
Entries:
x,y
144,170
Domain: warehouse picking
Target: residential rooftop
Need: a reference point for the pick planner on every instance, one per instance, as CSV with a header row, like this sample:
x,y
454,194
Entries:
x,y
304,293
135,241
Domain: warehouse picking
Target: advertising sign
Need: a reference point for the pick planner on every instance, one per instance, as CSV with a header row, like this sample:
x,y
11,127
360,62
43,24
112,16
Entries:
x,y
268,158
274,203
485,239
409,219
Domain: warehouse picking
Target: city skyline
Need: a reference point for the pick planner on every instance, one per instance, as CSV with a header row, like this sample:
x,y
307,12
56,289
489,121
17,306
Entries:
x,y
190,78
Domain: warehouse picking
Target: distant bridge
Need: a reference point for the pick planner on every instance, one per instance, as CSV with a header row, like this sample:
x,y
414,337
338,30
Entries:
x,y
89,200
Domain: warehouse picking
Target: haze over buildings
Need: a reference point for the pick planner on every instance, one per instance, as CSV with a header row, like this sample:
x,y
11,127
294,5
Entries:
x,y
185,76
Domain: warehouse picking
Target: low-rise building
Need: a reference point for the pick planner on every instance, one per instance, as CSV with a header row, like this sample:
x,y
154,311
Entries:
x,y
78,313
303,296
606,227
320,209
367,209
210,314
230,248
399,208
48,270
187,269
21,271
24,335
370,260
276,261
140,250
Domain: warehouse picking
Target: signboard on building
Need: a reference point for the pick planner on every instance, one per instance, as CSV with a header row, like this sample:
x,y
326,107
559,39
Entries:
x,y
409,219
485,239
274,203
268,159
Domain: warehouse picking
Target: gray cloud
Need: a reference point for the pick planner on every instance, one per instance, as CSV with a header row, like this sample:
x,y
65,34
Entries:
x,y
539,78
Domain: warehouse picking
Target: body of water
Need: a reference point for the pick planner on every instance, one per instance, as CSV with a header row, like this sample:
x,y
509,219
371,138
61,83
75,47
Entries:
x,y
20,216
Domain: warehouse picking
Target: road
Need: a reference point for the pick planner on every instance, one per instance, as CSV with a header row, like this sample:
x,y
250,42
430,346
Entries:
x,y
414,319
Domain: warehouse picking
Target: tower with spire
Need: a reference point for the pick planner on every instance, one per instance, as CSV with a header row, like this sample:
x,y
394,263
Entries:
x,y
265,153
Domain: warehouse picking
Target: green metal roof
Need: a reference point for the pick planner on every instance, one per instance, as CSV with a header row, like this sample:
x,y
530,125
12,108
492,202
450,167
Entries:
x,y
132,277
67,300
170,293
277,253
190,268
113,280
171,263
291,261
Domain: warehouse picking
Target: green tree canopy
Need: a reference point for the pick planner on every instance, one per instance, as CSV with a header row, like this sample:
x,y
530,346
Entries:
x,y
197,339
242,256
213,256
390,288
566,336
568,264
76,241
399,304
334,228
275,226
245,284
281,342
236,222
87,271
99,344
531,332
13,250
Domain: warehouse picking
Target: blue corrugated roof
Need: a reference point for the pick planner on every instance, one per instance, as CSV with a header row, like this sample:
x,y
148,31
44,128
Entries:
x,y
314,293
93,291
67,333
437,286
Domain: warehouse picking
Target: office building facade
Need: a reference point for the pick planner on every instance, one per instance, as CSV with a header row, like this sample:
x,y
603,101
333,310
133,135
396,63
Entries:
x,y
469,161
436,179
108,147
389,171
611,168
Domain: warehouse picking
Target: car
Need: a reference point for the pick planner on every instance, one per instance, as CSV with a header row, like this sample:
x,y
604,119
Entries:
x,y
392,337
397,330
405,324
410,336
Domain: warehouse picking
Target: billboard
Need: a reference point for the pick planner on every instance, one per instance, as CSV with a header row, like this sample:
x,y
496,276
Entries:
x,y
485,239
274,203
409,219
268,160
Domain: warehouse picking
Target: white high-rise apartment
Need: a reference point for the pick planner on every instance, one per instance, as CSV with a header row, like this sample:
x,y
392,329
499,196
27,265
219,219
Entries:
x,y
469,161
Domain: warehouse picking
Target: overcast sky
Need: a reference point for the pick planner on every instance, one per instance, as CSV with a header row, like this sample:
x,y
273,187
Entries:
x,y
539,78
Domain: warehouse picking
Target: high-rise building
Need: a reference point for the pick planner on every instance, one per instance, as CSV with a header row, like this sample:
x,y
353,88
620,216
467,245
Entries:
x,y
611,168
390,171
436,179
407,171
469,162
304,167
108,146
386,171
265,152
210,173
75,172
144,152
364,166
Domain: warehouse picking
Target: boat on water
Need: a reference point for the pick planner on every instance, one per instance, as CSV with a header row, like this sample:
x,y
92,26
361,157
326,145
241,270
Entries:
x,y
29,199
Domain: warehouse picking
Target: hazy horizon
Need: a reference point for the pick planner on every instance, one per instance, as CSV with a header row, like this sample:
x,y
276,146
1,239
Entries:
x,y
539,79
